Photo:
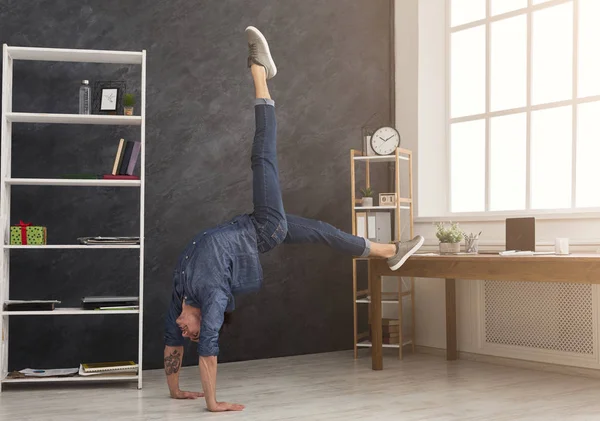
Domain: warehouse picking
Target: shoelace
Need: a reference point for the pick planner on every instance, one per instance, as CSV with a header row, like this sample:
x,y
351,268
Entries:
x,y
253,49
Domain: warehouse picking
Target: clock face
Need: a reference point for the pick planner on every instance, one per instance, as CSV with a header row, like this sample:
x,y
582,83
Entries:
x,y
385,141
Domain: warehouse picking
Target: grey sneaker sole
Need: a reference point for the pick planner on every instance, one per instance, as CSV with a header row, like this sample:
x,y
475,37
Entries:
x,y
407,255
270,65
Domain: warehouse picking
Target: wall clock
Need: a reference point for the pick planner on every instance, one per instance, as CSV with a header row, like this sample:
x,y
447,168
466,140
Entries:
x,y
385,140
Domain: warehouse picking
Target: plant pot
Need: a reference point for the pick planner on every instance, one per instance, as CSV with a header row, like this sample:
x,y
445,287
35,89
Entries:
x,y
127,110
449,248
367,201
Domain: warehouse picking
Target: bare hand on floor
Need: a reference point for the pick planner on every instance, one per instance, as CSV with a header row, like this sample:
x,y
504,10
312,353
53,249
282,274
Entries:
x,y
226,406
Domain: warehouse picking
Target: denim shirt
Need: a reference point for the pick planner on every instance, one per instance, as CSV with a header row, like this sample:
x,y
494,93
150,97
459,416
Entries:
x,y
215,266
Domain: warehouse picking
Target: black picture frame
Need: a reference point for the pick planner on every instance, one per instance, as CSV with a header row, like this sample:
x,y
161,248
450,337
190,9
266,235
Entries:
x,y
98,107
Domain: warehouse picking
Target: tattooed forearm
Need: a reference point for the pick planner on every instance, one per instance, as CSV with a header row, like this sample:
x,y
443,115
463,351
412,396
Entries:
x,y
172,362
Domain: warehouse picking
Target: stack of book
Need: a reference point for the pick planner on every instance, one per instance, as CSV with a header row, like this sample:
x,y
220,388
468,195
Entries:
x,y
122,241
391,331
118,368
126,158
110,303
30,305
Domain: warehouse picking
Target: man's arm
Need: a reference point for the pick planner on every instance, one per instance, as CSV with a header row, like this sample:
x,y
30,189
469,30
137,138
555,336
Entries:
x,y
208,376
213,312
173,357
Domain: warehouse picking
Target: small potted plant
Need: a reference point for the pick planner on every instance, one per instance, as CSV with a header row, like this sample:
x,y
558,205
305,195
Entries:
x,y
450,237
367,196
128,103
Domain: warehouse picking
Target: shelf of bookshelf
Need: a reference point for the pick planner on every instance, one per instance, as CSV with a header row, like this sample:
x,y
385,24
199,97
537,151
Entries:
x,y
72,182
70,246
66,311
99,378
380,208
114,120
368,344
387,158
79,56
368,301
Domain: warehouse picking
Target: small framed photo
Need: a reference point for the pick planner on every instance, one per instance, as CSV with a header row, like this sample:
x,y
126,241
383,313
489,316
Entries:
x,y
107,97
387,199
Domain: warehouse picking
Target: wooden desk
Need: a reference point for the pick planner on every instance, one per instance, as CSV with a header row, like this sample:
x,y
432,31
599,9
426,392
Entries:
x,y
574,268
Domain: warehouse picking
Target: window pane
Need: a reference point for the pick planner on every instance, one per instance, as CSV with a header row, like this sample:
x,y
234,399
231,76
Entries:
x,y
503,6
551,152
588,151
467,85
465,11
552,54
589,59
467,166
508,166
509,63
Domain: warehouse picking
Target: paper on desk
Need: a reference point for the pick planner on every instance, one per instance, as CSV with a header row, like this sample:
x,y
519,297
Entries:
x,y
57,372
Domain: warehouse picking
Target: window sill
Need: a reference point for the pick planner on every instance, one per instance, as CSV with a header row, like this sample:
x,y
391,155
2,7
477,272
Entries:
x,y
593,213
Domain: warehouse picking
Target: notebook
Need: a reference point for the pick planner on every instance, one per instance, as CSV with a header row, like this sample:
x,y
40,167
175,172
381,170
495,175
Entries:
x,y
113,368
135,153
118,157
90,303
126,157
30,305
109,240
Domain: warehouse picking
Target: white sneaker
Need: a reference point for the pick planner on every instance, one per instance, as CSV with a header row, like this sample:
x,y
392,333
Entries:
x,y
258,51
404,251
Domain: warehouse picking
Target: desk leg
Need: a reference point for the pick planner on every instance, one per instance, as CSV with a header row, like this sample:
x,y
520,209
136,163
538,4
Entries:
x,y
376,331
451,352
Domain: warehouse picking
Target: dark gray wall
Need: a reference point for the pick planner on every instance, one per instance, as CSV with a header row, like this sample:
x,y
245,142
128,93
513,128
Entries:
x,y
334,61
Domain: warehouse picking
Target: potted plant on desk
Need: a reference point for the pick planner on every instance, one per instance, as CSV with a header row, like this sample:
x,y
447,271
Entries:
x,y
367,196
450,237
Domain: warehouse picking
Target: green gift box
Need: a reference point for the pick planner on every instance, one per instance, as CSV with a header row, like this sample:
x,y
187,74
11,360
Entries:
x,y
27,234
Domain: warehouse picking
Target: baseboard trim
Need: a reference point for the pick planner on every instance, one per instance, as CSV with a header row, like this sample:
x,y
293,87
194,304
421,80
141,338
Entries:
x,y
438,352
512,362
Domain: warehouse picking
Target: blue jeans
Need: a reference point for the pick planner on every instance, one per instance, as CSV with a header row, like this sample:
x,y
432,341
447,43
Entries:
x,y
273,225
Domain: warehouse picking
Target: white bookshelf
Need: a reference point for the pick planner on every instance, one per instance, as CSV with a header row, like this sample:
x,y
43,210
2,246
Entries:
x,y
9,55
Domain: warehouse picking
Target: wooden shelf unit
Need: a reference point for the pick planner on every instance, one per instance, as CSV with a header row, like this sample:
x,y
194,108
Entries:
x,y
361,339
9,55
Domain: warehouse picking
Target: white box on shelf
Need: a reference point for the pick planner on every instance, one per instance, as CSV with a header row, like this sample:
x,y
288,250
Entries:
x,y
383,223
361,224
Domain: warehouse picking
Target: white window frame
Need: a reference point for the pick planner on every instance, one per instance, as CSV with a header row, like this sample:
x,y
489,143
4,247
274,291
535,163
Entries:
x,y
487,214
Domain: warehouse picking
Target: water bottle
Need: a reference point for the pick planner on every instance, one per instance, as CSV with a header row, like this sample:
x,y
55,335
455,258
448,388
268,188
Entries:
x,y
84,97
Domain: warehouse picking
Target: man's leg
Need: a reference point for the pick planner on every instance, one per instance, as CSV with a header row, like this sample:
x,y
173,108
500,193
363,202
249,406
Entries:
x,y
269,214
303,231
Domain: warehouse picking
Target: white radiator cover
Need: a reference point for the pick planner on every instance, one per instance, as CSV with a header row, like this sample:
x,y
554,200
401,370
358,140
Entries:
x,y
548,316
544,322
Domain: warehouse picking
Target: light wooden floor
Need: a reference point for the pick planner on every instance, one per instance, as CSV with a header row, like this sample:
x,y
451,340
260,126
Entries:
x,y
328,387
